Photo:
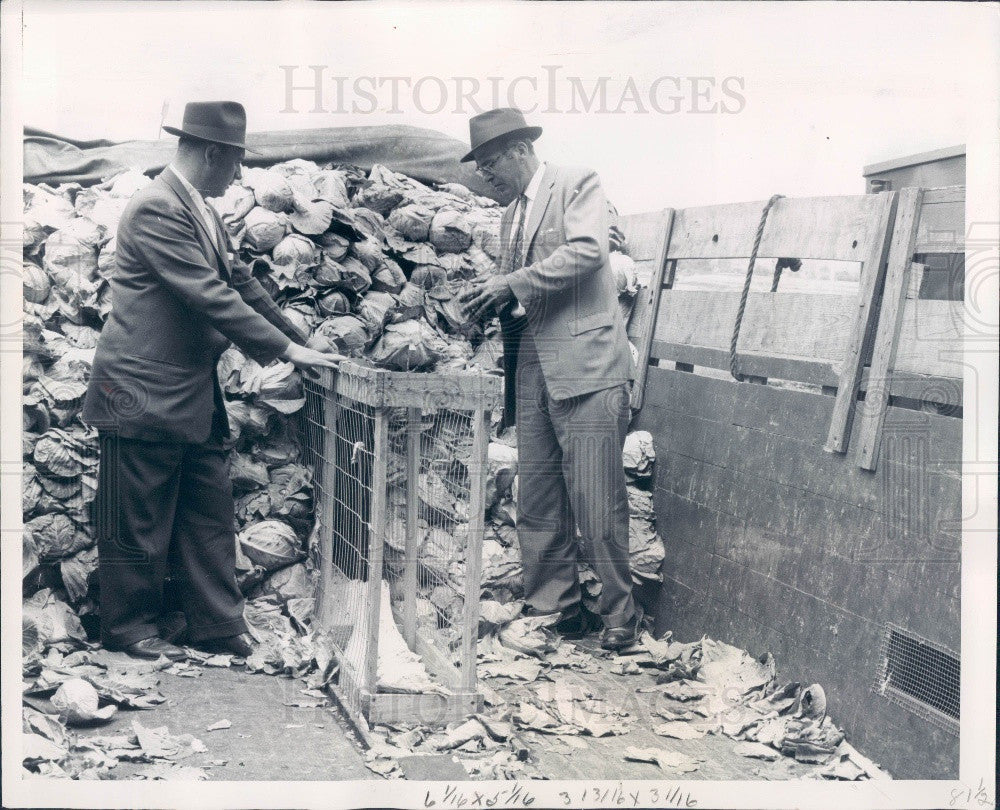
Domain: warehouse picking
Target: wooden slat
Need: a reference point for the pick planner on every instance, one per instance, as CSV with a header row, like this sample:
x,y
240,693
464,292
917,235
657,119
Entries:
x,y
642,234
916,277
427,710
637,322
378,387
944,194
814,327
813,372
645,337
841,228
859,344
930,338
474,545
409,617
376,533
943,391
942,221
904,237
327,494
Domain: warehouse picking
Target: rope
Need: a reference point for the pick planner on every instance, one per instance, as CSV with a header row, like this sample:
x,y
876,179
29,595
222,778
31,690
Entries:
x,y
746,287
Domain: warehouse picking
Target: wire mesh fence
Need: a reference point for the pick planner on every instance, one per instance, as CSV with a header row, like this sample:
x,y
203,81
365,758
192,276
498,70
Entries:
x,y
399,465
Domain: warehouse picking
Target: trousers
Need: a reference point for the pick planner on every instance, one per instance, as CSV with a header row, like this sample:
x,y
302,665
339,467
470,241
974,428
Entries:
x,y
165,508
570,476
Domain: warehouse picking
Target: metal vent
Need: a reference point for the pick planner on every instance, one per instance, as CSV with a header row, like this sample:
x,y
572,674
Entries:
x,y
921,676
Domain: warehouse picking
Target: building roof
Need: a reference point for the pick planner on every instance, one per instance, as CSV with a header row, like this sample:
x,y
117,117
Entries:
x,y
915,160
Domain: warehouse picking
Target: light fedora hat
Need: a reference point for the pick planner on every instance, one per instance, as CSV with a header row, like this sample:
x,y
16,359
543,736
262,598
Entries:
x,y
487,127
222,122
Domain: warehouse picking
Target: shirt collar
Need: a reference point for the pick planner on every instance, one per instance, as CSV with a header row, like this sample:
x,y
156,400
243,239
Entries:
x,y
536,180
195,194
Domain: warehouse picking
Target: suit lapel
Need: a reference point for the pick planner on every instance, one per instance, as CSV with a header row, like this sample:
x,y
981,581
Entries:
x,y
538,207
178,188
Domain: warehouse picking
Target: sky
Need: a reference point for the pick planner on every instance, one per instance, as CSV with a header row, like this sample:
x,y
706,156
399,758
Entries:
x,y
704,103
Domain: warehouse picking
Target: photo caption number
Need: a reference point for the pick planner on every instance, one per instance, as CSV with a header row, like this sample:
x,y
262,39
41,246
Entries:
x,y
617,797
969,796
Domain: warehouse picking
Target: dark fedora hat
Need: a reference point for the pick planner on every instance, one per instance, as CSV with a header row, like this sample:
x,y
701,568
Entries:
x,y
489,126
222,122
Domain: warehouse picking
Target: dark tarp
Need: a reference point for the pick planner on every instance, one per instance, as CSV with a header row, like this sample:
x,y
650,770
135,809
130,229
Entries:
x,y
423,154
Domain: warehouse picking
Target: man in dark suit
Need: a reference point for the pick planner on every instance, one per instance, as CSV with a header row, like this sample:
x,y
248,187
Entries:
x,y
567,370
165,503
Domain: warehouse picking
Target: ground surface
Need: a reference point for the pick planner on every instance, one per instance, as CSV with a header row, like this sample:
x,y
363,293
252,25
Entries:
x,y
269,740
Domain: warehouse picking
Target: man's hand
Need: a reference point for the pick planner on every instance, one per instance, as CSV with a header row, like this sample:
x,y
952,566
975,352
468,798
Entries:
x,y
492,293
309,361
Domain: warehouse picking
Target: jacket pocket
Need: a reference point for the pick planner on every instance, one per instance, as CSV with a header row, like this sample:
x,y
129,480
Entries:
x,y
164,365
586,323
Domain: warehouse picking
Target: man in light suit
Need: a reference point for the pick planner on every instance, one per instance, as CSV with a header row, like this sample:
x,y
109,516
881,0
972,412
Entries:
x,y
567,370
165,502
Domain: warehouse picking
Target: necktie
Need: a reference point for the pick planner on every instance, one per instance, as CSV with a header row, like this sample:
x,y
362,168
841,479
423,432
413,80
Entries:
x,y
515,252
518,244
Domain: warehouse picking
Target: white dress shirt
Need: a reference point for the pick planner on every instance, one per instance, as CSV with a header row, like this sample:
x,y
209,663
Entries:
x,y
530,193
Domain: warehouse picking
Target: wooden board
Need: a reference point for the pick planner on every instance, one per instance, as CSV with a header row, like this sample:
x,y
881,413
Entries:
x,y
325,508
942,221
643,234
814,372
642,230
378,387
904,237
859,345
477,467
841,228
930,338
815,327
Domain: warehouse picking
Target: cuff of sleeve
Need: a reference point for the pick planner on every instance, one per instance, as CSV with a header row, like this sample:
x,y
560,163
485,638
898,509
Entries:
x,y
520,286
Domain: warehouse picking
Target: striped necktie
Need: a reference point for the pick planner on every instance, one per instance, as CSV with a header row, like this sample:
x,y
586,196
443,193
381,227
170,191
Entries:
x,y
518,244
516,259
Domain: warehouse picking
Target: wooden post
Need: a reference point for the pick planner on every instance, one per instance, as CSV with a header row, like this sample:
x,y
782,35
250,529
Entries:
x,y
409,617
474,545
904,238
376,541
655,288
872,275
327,495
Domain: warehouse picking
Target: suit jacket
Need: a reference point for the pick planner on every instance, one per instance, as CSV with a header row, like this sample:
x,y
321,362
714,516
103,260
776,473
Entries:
x,y
567,289
178,299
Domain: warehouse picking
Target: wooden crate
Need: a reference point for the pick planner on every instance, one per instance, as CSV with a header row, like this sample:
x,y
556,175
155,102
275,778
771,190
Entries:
x,y
378,441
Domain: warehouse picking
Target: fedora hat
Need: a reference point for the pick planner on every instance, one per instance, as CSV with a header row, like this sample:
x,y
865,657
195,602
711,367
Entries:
x,y
222,122
487,127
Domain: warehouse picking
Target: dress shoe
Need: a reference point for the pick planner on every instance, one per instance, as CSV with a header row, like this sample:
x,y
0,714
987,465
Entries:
x,y
172,627
618,638
572,624
152,648
241,645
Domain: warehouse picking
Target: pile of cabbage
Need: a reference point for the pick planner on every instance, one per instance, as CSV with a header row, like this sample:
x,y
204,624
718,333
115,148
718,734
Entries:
x,y
368,265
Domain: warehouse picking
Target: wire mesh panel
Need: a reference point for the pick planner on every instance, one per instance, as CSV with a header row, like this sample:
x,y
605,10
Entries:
x,y
399,466
921,676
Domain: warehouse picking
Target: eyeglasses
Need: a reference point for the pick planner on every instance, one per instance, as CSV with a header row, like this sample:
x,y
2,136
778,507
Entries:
x,y
486,167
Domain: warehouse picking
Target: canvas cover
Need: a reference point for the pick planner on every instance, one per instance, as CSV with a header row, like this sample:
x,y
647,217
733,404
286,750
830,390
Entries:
x,y
423,154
